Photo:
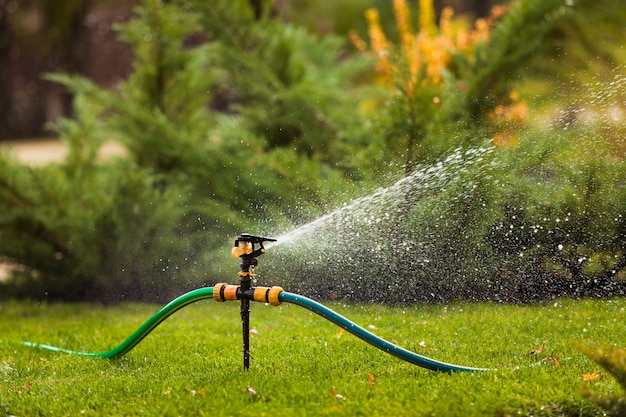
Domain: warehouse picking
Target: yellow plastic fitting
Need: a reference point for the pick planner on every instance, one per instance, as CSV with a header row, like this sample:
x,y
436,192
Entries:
x,y
273,295
261,294
225,292
242,249
267,295
217,291
230,292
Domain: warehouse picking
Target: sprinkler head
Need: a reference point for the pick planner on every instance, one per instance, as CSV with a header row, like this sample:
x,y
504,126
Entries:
x,y
245,246
245,237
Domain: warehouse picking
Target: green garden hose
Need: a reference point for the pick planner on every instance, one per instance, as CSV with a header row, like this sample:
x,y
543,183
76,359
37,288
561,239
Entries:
x,y
371,338
141,332
227,292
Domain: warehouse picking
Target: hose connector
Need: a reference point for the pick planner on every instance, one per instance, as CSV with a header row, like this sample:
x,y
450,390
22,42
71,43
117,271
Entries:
x,y
226,292
267,295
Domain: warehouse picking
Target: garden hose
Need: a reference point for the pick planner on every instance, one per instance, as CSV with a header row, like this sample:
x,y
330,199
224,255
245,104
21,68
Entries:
x,y
273,296
371,338
141,332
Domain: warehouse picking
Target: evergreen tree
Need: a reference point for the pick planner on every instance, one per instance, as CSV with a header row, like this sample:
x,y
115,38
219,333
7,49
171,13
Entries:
x,y
198,171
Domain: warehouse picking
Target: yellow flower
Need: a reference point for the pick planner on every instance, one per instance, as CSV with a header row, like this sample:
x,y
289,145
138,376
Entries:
x,y
378,40
421,57
427,17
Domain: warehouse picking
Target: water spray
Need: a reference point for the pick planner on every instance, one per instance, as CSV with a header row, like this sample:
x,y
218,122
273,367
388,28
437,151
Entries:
x,y
248,248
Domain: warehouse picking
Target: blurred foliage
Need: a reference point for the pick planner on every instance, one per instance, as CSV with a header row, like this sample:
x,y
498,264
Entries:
x,y
336,16
450,83
534,221
200,167
562,214
271,103
613,360
419,73
565,208
288,85
236,120
85,231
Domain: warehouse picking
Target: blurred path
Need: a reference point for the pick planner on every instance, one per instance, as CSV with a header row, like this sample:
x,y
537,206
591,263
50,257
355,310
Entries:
x,y
45,151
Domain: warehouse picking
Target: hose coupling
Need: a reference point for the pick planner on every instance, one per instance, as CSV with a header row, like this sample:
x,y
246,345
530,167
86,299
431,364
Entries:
x,y
227,292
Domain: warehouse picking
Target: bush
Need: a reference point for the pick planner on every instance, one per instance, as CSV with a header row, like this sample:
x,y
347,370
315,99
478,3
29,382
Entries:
x,y
198,171
85,231
233,119
449,84
562,214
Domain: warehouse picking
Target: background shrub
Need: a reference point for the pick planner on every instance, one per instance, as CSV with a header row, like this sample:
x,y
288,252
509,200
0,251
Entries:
x,y
234,120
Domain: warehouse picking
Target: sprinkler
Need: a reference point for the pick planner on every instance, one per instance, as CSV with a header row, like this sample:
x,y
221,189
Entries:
x,y
248,248
245,249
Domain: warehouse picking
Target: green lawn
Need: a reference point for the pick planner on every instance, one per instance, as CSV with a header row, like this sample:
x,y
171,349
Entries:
x,y
304,365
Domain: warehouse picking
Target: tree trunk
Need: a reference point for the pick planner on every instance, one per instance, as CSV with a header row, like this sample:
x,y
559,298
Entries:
x,y
84,43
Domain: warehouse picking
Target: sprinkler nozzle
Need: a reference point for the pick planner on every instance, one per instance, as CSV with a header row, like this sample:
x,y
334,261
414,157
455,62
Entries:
x,y
245,237
245,246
